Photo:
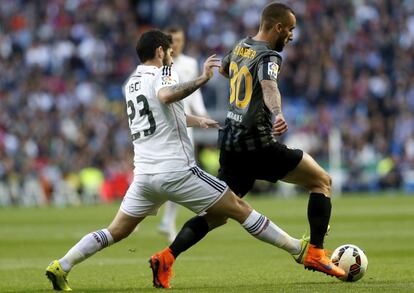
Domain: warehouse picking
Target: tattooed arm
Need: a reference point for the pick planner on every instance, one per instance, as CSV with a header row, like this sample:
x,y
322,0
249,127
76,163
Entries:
x,y
174,93
271,96
273,100
177,92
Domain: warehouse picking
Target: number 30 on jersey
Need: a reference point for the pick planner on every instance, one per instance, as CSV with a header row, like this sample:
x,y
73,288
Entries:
x,y
237,77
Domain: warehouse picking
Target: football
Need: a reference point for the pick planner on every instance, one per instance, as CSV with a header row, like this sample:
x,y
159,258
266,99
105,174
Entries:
x,y
352,260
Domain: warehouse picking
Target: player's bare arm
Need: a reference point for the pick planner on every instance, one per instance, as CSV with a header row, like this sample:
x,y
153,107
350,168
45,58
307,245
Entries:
x,y
201,122
273,101
177,92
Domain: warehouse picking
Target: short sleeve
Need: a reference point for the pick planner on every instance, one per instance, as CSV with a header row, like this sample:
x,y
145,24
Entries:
x,y
225,62
166,77
269,67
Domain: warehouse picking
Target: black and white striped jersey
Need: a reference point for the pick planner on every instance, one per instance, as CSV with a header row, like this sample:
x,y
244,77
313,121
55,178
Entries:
x,y
248,123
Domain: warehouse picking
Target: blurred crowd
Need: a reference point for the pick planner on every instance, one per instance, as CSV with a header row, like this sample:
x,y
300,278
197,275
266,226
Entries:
x,y
64,137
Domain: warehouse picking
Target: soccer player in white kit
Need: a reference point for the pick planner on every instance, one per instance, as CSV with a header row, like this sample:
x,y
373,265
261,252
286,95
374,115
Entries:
x,y
164,163
187,69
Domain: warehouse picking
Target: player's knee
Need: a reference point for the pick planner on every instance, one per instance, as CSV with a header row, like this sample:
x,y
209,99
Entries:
x,y
238,209
231,206
326,184
321,184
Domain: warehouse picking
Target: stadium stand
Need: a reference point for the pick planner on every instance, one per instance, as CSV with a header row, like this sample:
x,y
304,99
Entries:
x,y
63,132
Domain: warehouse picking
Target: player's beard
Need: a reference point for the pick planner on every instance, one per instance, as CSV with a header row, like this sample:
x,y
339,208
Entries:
x,y
281,41
279,44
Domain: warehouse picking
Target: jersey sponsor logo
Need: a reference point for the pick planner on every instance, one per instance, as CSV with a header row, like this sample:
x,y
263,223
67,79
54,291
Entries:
x,y
234,116
273,69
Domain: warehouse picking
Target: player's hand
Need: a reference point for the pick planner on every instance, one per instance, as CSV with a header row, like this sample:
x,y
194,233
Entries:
x,y
208,123
209,65
279,126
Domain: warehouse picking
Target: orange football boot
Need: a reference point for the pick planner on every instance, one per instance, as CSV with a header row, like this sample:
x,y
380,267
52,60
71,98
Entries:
x,y
161,264
316,260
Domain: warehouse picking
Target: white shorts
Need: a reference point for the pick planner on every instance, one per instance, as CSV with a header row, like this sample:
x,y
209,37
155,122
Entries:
x,y
193,189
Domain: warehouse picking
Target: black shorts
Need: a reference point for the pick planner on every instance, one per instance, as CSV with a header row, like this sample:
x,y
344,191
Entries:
x,y
241,169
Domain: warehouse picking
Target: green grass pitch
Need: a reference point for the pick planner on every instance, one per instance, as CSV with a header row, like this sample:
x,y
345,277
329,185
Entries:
x,y
227,260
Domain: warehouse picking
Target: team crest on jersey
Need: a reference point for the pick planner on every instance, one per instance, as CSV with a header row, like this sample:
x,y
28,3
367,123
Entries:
x,y
167,80
273,69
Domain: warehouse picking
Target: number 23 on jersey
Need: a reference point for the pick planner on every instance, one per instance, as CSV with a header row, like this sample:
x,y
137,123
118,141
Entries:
x,y
144,112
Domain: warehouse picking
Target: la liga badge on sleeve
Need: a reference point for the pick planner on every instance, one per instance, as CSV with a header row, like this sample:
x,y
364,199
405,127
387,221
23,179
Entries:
x,y
273,69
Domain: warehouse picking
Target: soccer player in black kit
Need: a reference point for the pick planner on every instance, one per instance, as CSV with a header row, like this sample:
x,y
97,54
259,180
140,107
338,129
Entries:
x,y
249,149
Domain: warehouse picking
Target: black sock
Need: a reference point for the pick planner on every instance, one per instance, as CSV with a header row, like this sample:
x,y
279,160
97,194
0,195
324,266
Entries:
x,y
193,231
319,213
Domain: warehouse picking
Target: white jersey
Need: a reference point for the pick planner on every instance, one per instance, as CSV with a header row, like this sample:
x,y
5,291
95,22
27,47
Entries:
x,y
187,69
159,131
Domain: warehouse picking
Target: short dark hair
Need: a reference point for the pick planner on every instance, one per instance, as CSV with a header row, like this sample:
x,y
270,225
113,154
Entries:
x,y
272,13
149,41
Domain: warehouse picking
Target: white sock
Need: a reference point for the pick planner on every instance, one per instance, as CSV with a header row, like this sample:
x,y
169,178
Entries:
x,y
262,228
170,215
87,246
